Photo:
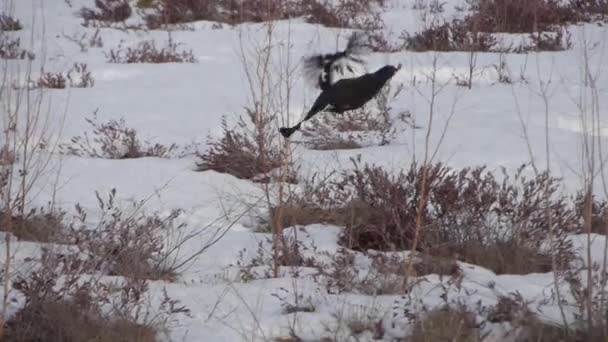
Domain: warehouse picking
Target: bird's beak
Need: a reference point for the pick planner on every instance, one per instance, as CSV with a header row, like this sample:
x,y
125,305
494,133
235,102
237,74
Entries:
x,y
399,66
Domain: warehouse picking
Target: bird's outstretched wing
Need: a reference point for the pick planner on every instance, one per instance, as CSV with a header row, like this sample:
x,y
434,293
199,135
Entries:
x,y
323,70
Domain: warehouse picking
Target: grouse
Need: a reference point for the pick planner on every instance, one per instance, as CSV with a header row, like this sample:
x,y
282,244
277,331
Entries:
x,y
347,94
344,94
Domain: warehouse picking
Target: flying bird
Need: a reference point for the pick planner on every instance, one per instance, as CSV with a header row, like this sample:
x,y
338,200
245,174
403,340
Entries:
x,y
345,93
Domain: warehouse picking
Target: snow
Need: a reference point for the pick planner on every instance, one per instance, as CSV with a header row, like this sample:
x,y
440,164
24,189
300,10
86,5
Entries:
x,y
184,103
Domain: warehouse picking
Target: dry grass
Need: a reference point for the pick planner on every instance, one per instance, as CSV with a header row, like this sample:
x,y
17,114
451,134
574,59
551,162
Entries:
x,y
114,140
106,11
77,77
8,23
470,215
345,13
148,52
519,16
38,225
128,243
72,321
11,49
52,80
450,36
244,153
446,324
386,274
64,303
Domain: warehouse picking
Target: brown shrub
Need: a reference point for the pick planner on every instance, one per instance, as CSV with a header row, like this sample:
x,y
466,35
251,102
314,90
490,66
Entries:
x,y
84,41
114,140
518,16
147,52
469,215
591,7
64,303
129,244
107,11
51,80
80,77
446,324
11,49
514,310
450,36
598,220
345,13
8,23
244,154
39,225
385,273
67,320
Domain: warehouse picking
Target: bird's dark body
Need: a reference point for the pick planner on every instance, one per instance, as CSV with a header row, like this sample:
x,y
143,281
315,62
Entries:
x,y
347,94
353,93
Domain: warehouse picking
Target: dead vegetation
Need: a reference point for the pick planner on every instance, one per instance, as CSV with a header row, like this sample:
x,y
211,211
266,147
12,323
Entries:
x,y
8,23
127,243
39,224
447,324
62,304
543,21
111,11
77,77
115,140
244,153
11,48
148,52
346,13
385,275
471,216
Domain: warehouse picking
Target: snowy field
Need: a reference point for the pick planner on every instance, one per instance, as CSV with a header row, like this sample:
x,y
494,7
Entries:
x,y
495,124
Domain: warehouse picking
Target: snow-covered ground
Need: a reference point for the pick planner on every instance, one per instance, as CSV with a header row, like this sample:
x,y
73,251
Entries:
x,y
184,103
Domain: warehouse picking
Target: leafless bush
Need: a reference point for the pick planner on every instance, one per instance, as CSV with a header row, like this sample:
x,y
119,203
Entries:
x,y
514,310
385,274
470,215
590,7
39,224
502,70
242,153
80,77
11,49
114,140
8,23
77,77
84,41
145,3
107,11
450,36
62,304
519,16
587,285
127,243
557,40
52,80
598,210
147,52
447,324
345,13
